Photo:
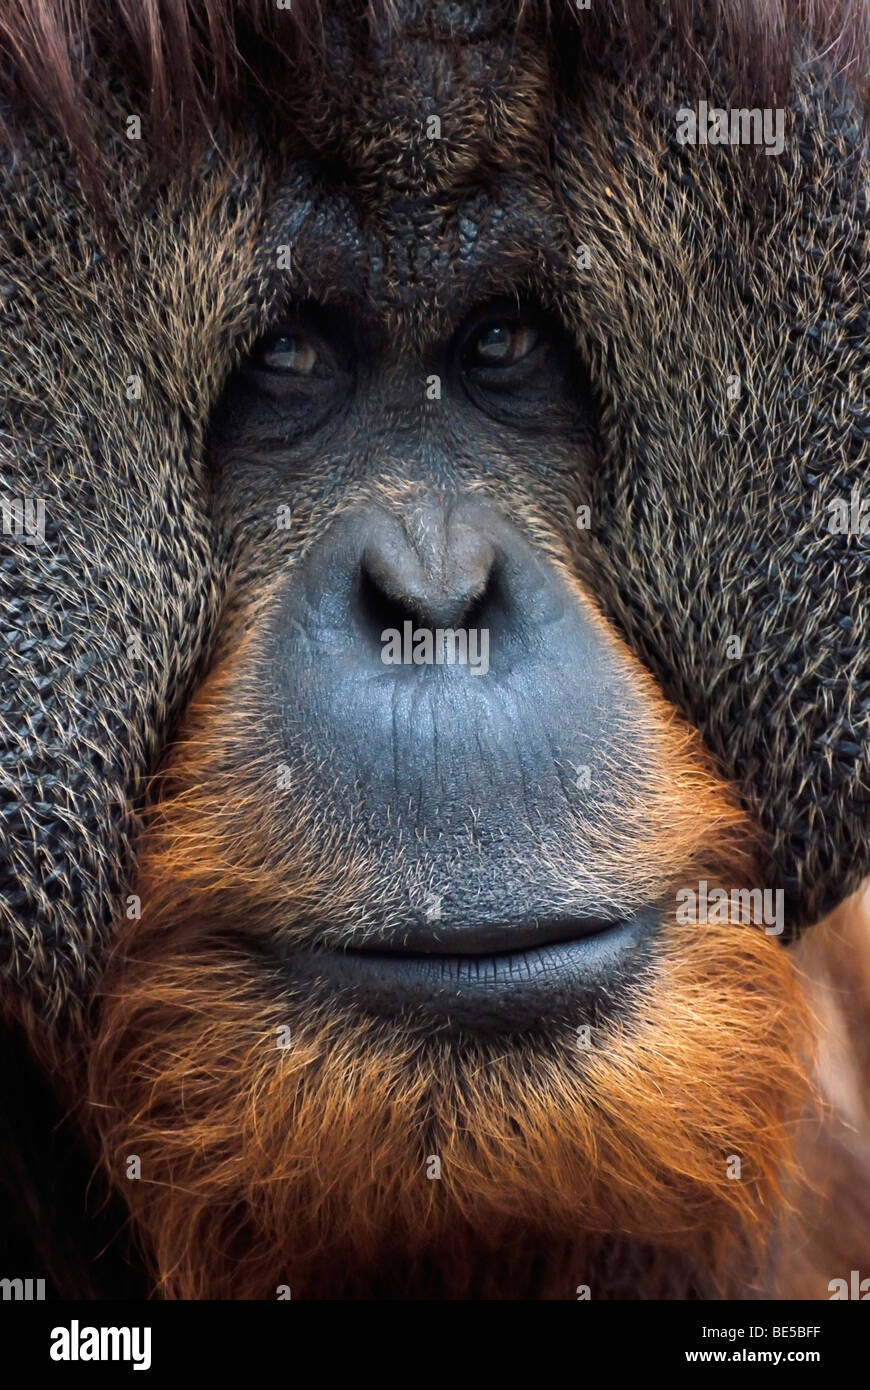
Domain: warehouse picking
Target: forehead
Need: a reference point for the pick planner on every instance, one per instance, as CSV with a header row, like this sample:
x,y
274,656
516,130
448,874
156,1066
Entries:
x,y
419,106
418,178
416,264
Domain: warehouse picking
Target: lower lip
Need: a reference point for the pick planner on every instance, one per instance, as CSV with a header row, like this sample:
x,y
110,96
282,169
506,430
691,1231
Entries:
x,y
512,991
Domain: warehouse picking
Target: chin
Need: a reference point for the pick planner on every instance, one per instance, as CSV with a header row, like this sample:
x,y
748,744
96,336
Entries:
x,y
529,1082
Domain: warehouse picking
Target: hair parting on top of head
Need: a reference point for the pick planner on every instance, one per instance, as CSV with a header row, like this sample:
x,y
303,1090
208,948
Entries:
x,y
196,63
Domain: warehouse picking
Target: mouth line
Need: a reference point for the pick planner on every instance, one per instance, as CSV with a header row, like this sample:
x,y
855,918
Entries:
x,y
513,989
487,940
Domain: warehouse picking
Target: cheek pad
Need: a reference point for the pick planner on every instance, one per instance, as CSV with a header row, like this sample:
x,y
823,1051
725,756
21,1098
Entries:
x,y
736,431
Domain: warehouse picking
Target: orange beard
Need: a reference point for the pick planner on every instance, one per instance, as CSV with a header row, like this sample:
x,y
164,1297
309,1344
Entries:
x,y
308,1165
650,1163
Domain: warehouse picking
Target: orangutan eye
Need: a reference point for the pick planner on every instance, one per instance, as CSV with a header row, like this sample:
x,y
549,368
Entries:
x,y
501,344
293,352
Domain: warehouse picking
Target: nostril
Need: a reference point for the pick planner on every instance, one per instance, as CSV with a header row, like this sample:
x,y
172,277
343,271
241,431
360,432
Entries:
x,y
479,607
435,577
431,607
378,610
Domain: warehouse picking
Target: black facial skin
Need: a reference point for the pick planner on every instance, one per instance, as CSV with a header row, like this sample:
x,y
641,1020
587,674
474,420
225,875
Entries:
x,y
465,786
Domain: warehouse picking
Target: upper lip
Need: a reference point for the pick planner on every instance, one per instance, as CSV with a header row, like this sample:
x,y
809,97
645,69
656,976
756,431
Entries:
x,y
485,938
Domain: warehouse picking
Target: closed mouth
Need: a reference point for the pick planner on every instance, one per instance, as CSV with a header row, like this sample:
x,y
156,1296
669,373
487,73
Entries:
x,y
551,971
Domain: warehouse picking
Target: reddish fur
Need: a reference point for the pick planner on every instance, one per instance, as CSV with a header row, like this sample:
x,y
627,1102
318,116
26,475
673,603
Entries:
x,y
263,1167
307,1166
831,1234
198,64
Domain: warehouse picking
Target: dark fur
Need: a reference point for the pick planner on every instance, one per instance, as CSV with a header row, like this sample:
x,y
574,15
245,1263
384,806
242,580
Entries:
x,y
709,517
